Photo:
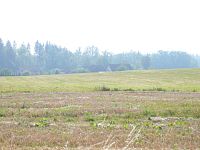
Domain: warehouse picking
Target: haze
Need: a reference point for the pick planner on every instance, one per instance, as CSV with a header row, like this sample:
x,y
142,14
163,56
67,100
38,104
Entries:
x,y
113,25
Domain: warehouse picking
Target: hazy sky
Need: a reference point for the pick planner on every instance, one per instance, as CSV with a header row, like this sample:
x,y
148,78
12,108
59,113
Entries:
x,y
114,25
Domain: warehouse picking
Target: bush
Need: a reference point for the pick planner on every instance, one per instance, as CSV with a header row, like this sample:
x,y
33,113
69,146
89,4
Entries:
x,y
5,72
116,89
26,73
103,88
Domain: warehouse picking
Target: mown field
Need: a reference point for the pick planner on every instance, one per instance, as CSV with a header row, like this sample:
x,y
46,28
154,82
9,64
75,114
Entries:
x,y
151,80
134,109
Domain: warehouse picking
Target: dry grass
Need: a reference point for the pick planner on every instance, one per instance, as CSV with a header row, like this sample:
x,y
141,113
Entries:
x,y
99,120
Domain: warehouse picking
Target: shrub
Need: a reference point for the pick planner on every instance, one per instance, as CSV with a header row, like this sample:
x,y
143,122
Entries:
x,y
194,90
159,89
5,72
103,88
129,89
26,73
116,89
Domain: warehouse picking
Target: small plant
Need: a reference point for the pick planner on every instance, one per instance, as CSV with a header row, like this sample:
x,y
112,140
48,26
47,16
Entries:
x,y
169,112
180,123
149,113
42,123
194,90
89,117
70,119
171,124
147,124
158,127
126,126
94,124
2,113
23,106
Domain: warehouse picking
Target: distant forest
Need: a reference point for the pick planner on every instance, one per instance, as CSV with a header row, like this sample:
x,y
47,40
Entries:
x,y
52,59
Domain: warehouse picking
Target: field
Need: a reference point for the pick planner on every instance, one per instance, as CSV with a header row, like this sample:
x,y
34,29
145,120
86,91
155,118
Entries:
x,y
122,110
187,80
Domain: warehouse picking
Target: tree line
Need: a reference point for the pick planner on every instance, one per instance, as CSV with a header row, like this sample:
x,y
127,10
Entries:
x,y
50,58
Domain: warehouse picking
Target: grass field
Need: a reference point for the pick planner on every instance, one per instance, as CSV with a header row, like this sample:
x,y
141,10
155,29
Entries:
x,y
159,80
142,109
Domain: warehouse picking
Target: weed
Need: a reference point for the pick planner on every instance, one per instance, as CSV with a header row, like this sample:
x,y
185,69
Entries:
x,y
169,112
147,124
89,117
149,113
180,123
24,106
2,113
194,90
70,119
43,122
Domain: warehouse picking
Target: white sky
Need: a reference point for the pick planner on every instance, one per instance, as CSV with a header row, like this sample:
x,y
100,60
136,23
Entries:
x,y
113,25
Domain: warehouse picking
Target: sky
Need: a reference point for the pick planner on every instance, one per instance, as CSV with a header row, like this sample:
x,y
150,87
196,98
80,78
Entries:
x,y
114,25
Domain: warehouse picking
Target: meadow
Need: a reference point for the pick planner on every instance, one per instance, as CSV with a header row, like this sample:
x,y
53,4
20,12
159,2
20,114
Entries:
x,y
186,80
151,109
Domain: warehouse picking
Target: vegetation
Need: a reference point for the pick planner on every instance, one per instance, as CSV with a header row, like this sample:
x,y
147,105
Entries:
x,y
155,109
149,80
104,120
52,59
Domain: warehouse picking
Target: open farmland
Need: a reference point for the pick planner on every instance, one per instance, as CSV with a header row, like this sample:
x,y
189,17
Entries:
x,y
161,109
187,80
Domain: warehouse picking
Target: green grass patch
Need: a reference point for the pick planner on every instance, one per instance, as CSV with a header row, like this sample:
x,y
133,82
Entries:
x,y
42,122
2,112
148,80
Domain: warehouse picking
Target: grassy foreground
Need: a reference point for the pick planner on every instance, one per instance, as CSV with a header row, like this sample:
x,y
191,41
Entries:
x,y
150,80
